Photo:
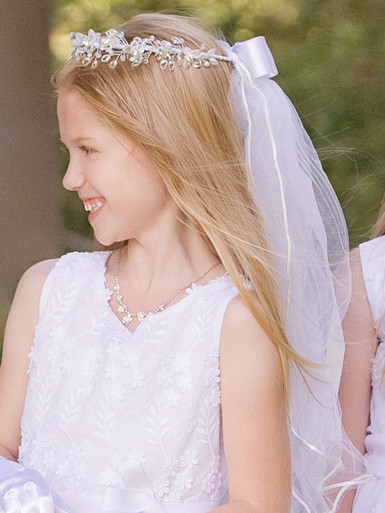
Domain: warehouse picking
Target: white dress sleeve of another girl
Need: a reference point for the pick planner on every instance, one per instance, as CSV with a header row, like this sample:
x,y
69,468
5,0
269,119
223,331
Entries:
x,y
370,497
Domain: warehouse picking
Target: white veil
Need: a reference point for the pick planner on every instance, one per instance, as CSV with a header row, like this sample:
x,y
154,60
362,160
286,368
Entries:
x,y
309,239
308,236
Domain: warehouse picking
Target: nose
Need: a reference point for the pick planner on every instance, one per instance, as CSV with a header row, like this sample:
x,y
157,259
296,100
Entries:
x,y
74,178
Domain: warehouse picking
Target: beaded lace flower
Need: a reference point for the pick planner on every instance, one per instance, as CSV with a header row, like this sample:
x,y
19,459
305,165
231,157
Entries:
x,y
111,47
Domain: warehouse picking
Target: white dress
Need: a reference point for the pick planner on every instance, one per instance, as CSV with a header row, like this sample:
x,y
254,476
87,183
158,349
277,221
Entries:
x,y
119,421
370,497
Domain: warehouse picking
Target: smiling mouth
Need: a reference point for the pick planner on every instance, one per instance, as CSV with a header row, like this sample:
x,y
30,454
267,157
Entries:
x,y
92,206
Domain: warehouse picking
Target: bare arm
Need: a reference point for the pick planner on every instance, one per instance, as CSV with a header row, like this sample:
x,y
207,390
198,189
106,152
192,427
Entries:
x,y
18,339
254,417
360,348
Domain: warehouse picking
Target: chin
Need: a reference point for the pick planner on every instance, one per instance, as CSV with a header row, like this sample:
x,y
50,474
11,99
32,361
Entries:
x,y
109,242
104,239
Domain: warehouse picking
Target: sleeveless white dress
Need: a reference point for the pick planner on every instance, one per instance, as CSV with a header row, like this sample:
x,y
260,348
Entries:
x,y
370,497
119,421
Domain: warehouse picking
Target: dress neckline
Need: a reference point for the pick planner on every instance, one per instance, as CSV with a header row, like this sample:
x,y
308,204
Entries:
x,y
193,289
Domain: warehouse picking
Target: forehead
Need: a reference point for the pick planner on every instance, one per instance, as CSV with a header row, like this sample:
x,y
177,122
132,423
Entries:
x,y
75,114
78,121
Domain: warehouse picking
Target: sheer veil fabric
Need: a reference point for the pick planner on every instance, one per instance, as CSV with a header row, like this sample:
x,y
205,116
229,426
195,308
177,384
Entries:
x,y
309,241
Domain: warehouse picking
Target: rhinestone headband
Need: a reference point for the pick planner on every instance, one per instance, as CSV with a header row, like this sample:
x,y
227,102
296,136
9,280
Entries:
x,y
111,47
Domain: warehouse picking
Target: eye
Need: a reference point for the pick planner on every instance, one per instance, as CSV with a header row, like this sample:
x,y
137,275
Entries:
x,y
87,150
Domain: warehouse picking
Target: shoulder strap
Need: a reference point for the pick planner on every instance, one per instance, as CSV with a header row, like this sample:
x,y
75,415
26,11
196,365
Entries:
x,y
372,255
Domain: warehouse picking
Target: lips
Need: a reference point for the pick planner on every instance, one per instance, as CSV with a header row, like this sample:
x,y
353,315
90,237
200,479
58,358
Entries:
x,y
92,205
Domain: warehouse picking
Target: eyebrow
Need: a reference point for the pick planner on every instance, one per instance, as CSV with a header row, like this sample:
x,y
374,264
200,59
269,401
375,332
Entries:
x,y
78,140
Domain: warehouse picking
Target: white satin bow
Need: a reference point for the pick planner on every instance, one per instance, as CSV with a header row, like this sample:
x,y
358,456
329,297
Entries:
x,y
138,497
24,490
254,54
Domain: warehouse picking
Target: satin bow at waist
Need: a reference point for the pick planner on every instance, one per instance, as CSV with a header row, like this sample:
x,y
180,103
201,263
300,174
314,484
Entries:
x,y
136,496
96,504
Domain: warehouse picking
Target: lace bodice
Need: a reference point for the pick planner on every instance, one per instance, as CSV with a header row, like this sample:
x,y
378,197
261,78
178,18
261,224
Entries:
x,y
115,419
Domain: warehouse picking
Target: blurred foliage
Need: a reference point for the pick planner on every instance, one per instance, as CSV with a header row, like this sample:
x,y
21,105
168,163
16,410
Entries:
x,y
331,57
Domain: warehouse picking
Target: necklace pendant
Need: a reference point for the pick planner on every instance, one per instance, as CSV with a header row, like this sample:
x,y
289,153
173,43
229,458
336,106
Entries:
x,y
128,316
127,319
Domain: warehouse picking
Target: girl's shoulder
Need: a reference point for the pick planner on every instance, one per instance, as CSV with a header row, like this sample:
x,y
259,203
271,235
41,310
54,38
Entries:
x,y
253,349
40,278
36,275
32,281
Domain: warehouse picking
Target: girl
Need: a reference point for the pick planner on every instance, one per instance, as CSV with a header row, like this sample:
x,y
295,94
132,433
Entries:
x,y
362,385
183,150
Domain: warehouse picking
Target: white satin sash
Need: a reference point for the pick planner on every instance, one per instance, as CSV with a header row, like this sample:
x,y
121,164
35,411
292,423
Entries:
x,y
138,497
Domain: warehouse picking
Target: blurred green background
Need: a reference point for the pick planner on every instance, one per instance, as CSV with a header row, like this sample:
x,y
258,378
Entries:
x,y
331,59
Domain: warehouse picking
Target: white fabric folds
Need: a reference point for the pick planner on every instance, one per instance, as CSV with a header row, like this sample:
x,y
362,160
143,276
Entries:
x,y
24,490
309,240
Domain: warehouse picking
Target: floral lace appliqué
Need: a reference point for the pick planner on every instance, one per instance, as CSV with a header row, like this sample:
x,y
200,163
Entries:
x,y
101,399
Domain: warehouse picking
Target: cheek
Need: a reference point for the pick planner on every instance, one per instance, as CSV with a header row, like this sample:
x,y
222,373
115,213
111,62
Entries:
x,y
160,197
152,199
150,189
141,189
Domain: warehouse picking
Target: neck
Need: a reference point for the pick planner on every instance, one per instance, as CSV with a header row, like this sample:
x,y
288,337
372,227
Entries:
x,y
166,260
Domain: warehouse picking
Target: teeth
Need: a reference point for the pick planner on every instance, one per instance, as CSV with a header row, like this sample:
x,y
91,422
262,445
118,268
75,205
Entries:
x,y
92,206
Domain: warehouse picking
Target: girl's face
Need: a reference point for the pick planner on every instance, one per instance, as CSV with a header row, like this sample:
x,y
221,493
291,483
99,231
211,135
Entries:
x,y
117,182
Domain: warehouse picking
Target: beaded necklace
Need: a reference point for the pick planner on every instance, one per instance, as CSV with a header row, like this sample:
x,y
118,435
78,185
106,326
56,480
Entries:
x,y
128,316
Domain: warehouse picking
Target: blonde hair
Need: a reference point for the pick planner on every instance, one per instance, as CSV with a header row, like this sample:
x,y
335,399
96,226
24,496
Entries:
x,y
183,120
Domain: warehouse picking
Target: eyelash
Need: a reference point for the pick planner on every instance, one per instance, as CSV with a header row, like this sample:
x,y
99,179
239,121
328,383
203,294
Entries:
x,y
86,150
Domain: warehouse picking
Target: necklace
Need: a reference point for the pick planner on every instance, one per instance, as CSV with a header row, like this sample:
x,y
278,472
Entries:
x,y
130,316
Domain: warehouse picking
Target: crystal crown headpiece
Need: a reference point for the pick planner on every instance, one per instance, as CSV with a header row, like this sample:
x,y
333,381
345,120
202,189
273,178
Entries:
x,y
111,47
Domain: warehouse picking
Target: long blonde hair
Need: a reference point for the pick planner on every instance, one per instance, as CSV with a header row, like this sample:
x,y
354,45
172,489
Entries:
x,y
183,120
